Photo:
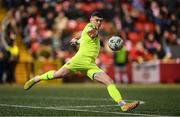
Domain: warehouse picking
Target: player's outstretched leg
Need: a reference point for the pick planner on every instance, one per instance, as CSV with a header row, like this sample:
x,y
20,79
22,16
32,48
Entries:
x,y
114,93
61,73
46,76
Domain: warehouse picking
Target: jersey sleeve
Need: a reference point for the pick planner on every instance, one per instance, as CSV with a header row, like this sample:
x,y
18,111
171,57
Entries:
x,y
91,31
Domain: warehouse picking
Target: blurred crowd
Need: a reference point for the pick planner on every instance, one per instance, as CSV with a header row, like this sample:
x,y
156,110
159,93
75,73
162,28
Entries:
x,y
148,27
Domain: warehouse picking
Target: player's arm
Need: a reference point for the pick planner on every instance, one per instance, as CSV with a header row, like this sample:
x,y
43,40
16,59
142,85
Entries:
x,y
92,32
75,39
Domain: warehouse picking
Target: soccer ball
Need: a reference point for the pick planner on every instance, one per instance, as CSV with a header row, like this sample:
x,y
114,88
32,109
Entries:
x,y
115,43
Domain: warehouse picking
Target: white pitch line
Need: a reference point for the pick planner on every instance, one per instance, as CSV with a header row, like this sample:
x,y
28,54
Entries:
x,y
91,106
77,110
74,98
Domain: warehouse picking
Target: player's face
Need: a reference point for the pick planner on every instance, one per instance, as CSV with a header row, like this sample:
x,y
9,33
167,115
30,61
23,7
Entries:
x,y
96,21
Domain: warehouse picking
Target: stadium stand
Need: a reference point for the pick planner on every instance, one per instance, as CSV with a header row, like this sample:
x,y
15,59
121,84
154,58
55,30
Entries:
x,y
150,28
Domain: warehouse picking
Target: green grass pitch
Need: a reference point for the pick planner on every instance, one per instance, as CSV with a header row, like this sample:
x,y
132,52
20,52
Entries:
x,y
87,99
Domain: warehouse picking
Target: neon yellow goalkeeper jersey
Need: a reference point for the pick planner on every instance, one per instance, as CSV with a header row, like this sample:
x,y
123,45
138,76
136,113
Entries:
x,y
84,60
89,47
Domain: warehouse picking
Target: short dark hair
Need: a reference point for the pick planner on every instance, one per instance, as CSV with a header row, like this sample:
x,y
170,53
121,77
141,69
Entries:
x,y
97,14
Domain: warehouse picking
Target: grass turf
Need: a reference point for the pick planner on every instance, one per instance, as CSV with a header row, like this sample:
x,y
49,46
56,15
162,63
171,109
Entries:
x,y
87,100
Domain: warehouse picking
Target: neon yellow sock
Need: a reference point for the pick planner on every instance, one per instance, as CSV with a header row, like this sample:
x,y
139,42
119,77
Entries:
x,y
114,93
48,75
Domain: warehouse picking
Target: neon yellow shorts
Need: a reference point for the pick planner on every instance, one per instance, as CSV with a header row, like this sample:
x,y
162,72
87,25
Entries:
x,y
84,65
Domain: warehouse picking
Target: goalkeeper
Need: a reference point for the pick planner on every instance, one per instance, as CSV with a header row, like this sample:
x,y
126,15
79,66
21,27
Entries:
x,y
84,62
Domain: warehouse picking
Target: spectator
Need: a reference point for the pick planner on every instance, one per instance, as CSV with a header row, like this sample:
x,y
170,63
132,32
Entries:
x,y
8,38
13,60
4,57
120,62
52,23
151,44
137,53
